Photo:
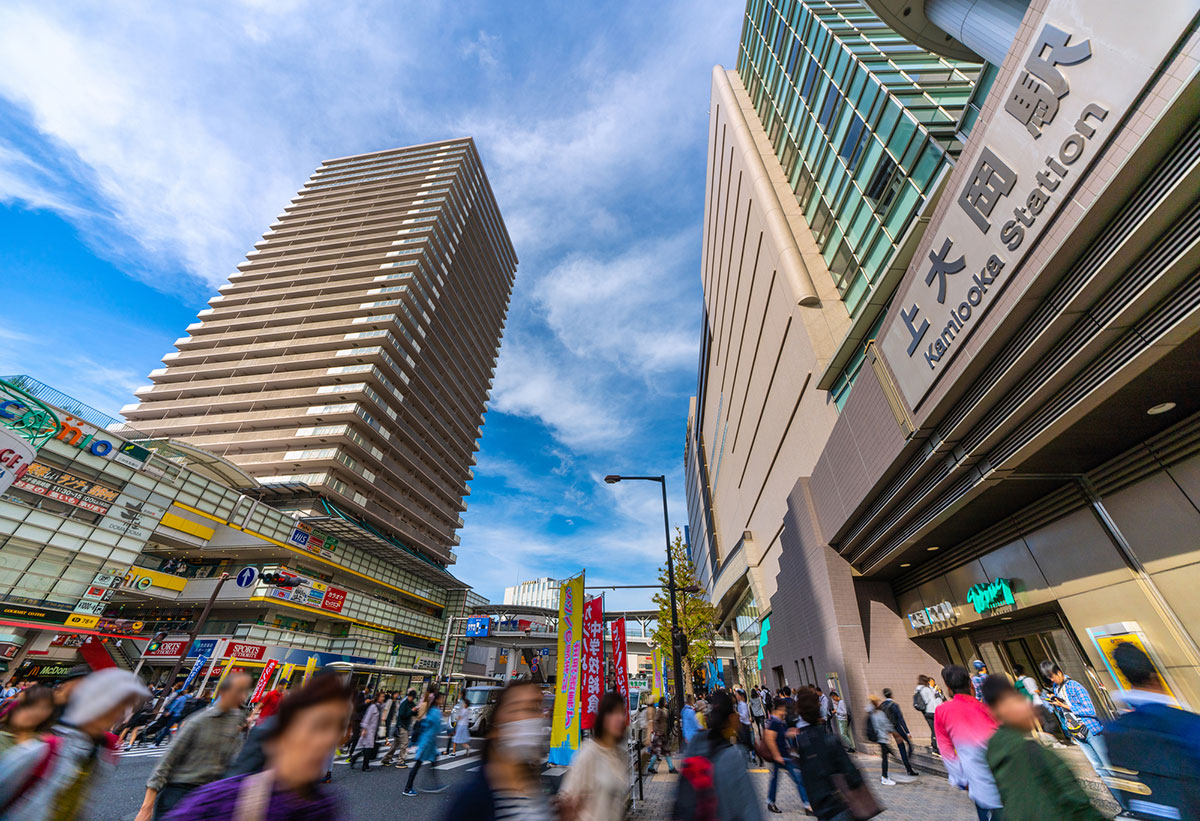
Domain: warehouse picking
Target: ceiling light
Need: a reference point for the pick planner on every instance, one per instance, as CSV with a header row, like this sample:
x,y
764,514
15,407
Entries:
x,y
931,549
1161,407
907,564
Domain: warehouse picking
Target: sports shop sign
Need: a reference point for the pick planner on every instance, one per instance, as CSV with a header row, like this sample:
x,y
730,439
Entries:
x,y
1074,85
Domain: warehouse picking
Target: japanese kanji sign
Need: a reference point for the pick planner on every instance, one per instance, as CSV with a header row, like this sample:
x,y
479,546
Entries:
x,y
564,732
620,663
1076,79
592,673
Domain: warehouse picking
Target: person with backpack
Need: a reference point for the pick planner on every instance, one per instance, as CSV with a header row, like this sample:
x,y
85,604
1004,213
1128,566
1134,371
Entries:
x,y
404,717
1157,739
1034,783
963,727
926,699
821,758
900,730
714,784
775,741
49,778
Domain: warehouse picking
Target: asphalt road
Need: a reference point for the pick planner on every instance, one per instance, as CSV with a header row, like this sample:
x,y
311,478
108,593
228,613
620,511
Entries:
x,y
374,794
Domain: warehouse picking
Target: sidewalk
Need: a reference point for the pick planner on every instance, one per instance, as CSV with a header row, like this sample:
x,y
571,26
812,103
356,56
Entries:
x,y
919,799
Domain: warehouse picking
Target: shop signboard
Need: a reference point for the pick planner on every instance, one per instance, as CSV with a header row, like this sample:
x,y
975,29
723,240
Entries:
x,y
314,541
69,488
168,648
16,455
83,436
564,732
933,616
130,516
98,593
334,599
1078,76
987,596
145,580
477,627
309,593
592,670
246,652
91,608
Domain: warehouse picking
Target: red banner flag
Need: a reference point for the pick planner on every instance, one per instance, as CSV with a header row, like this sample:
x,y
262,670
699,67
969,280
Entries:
x,y
620,665
592,671
263,680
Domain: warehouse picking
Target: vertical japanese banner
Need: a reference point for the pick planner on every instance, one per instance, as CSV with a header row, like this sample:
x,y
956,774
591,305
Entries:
x,y
657,690
224,672
309,667
592,675
620,658
564,734
263,680
285,675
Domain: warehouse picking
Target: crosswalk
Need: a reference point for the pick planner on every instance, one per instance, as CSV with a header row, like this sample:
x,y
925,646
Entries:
x,y
444,762
142,752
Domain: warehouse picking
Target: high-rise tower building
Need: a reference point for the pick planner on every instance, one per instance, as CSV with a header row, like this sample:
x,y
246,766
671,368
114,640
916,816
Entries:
x,y
826,145
348,361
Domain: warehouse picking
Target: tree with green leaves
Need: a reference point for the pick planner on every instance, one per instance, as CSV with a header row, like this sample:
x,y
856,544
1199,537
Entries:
x,y
696,614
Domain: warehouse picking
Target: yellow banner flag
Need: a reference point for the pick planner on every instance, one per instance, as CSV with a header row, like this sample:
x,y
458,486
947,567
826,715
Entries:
x,y
308,668
224,672
564,733
286,674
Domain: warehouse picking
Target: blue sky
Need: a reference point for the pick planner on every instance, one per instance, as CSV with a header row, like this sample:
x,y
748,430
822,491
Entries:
x,y
144,148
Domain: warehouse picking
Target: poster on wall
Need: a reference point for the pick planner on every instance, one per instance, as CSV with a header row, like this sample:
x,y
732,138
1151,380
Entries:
x,y
592,672
1108,638
620,658
564,733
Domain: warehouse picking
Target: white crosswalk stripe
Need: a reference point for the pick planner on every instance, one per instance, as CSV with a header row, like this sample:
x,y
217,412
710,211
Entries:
x,y
151,752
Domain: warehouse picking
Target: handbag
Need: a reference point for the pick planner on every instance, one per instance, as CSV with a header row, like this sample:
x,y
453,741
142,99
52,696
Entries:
x,y
1075,728
860,801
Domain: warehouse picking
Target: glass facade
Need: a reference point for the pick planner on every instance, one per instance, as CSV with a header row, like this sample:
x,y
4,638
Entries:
x,y
862,122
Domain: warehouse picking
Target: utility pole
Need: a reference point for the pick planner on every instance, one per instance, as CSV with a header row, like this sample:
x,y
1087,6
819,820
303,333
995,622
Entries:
x,y
192,636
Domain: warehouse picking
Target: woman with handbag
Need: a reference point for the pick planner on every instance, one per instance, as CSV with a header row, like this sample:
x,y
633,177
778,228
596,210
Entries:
x,y
835,786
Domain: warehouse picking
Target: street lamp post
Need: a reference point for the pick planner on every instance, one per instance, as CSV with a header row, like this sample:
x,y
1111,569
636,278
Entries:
x,y
192,637
676,661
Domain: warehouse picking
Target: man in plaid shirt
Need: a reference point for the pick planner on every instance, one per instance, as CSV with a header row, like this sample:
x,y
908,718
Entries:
x,y
1069,694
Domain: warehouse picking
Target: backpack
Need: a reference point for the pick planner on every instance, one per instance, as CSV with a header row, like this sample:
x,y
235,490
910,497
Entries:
x,y
1161,744
918,701
696,793
869,730
1020,687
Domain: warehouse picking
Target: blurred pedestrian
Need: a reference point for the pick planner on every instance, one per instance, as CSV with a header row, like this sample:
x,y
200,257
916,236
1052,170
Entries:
x,y
597,781
656,719
65,686
206,745
26,716
270,702
427,745
174,713
900,730
714,771
842,715
981,672
758,712
507,785
368,735
304,732
1034,782
361,701
689,722
880,730
964,727
776,742
49,778
404,718
462,725
820,759
1156,739
926,699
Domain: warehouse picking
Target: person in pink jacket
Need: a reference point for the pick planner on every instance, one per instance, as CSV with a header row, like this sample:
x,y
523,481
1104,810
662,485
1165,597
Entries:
x,y
963,727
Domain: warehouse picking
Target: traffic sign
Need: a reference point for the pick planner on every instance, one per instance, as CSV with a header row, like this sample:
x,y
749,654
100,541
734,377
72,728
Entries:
x,y
247,576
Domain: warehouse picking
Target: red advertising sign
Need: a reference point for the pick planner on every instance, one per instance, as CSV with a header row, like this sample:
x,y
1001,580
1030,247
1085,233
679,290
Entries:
x,y
334,599
169,648
249,652
620,665
592,671
263,680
